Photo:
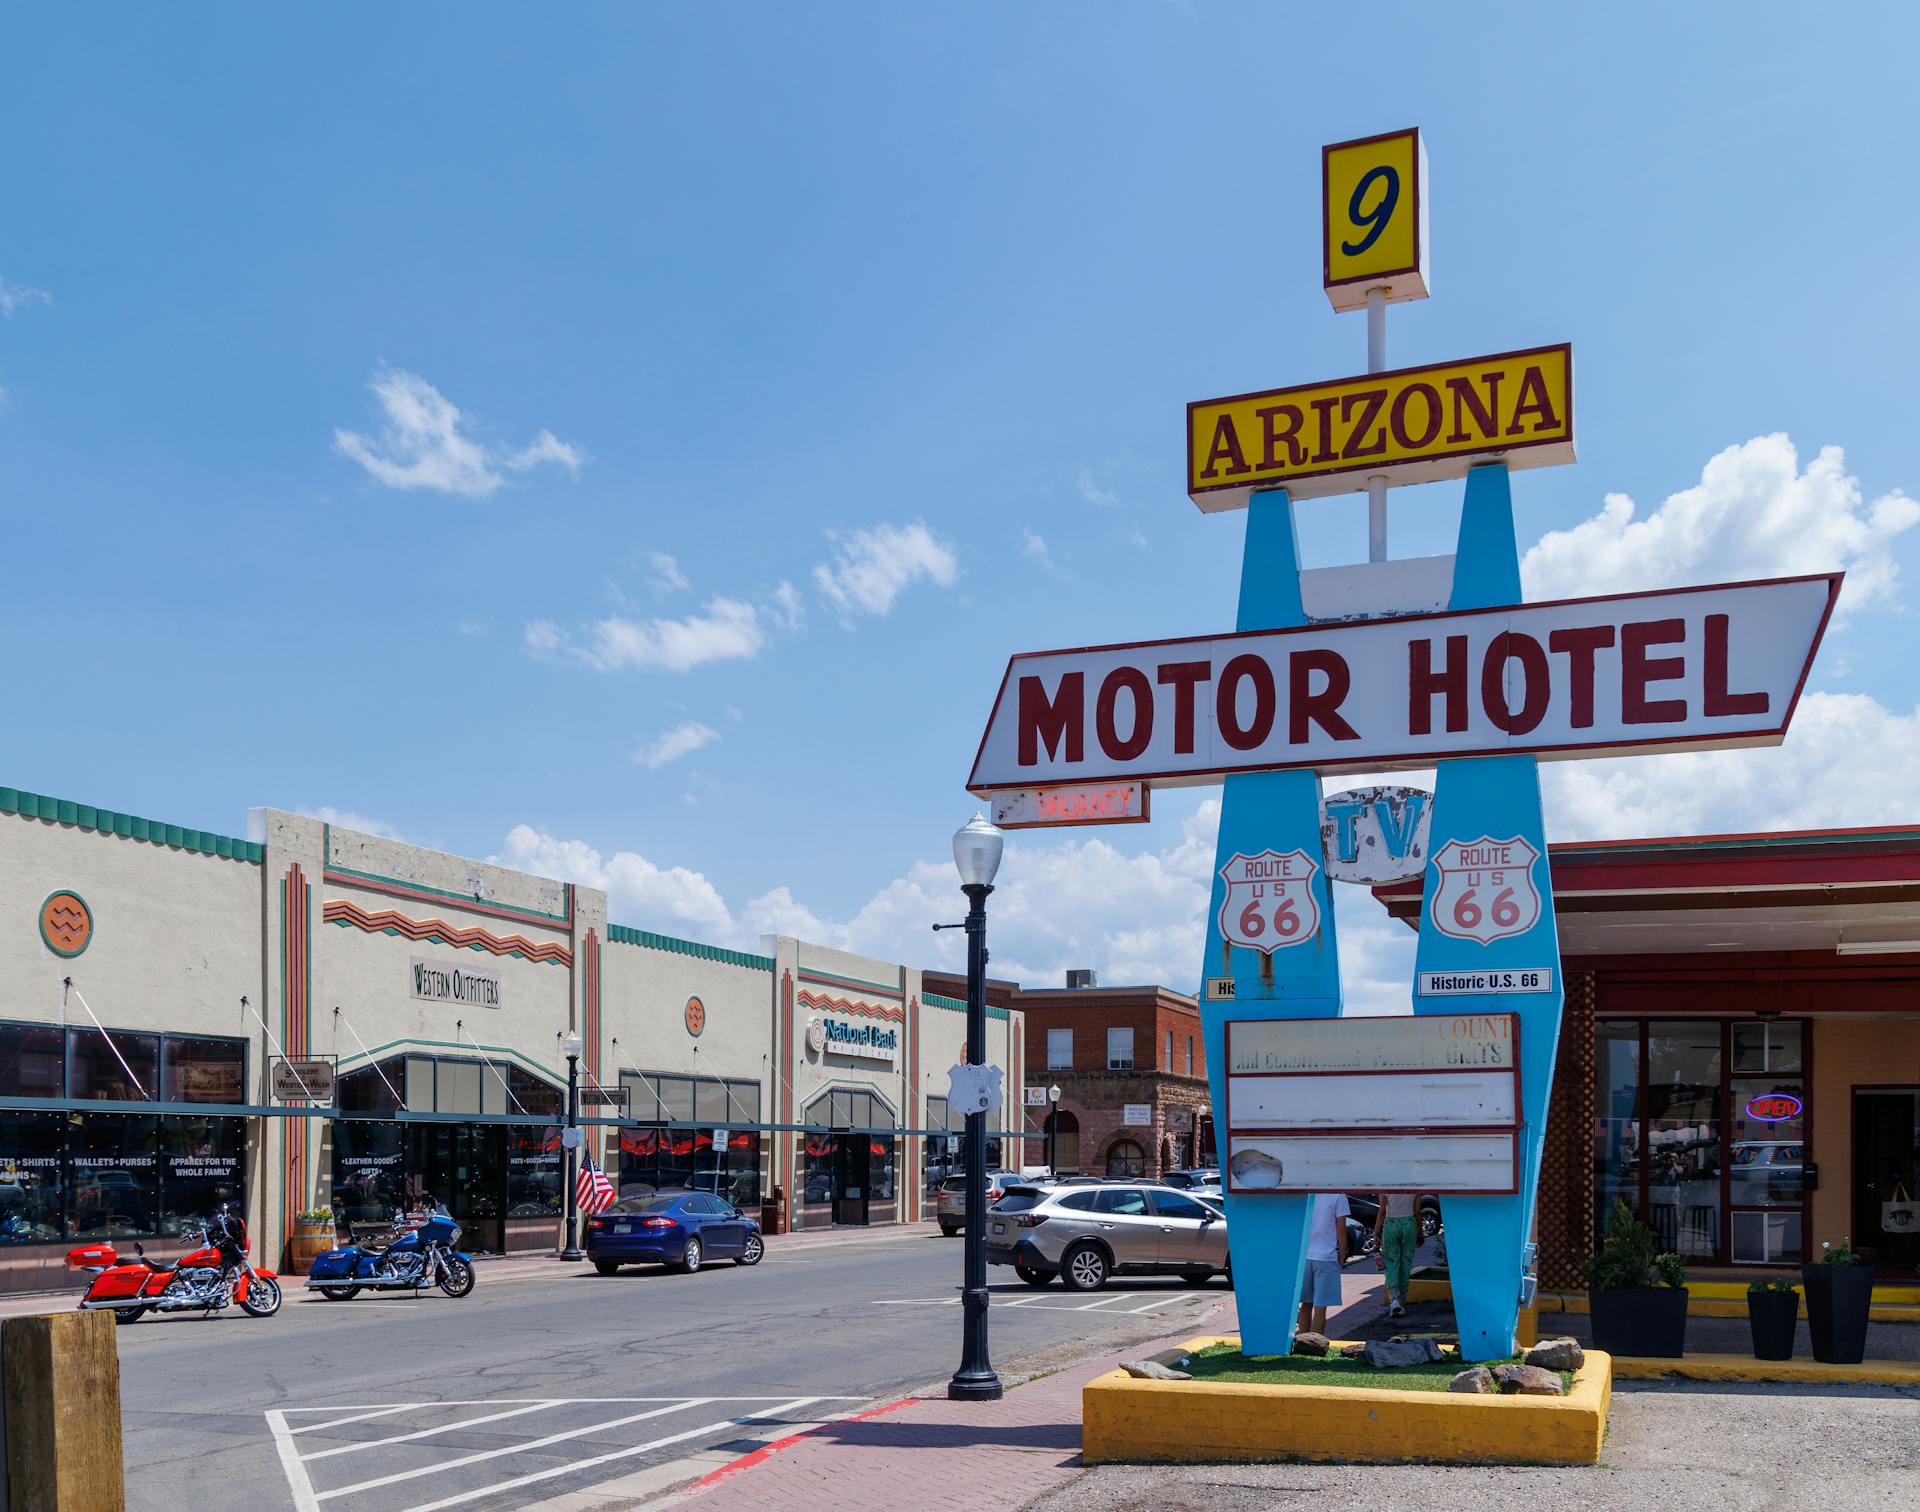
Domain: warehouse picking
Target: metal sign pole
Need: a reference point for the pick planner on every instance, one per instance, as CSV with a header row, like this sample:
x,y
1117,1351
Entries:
x,y
1377,363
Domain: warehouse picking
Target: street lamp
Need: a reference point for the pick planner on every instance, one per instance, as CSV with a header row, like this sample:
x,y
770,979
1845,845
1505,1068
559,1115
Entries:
x,y
976,852
1053,1130
570,1046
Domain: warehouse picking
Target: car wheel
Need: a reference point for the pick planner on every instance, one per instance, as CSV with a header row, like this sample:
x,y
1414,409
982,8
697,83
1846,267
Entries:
x,y
753,1251
1084,1268
1033,1277
1429,1222
339,1293
606,1267
947,1231
690,1262
1196,1277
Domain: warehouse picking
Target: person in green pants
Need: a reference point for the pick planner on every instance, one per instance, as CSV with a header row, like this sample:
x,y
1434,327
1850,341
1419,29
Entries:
x,y
1396,1235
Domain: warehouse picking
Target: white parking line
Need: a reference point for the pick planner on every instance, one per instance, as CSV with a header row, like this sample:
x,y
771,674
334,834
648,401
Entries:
x,y
405,1438
1165,1301
357,1417
1106,1301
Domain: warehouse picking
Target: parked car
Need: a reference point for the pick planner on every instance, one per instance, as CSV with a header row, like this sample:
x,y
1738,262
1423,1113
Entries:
x,y
1085,1235
1196,1176
684,1229
950,1206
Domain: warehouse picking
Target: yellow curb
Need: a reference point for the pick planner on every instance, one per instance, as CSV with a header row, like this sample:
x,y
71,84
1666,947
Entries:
x,y
1710,1306
1212,1421
1721,1367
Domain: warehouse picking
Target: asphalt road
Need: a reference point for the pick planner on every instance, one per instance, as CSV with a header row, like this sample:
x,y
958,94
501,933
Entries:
x,y
531,1388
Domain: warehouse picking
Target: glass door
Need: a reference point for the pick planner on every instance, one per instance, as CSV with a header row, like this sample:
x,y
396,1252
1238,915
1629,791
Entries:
x,y
1886,1172
1767,1147
852,1164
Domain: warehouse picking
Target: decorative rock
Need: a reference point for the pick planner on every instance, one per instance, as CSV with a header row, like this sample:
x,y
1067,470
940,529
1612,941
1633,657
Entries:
x,y
1528,1380
1478,1380
1388,1356
1311,1344
1152,1370
1351,1351
1557,1354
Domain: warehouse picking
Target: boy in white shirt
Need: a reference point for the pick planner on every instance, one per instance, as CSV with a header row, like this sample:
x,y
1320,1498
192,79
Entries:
x,y
1326,1253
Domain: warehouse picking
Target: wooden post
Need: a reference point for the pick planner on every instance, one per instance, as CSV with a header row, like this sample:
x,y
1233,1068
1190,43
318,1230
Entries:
x,y
62,1400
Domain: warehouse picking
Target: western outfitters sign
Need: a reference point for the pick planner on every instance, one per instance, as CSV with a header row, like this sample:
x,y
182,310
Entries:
x,y
445,982
1679,669
1415,425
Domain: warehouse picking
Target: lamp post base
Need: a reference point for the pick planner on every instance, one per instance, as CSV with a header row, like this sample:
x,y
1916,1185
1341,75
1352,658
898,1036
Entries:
x,y
974,1386
570,1253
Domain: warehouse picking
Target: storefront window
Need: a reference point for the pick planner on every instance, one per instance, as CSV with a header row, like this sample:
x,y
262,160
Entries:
x,y
114,1173
32,1060
204,1070
369,1180
370,1089
97,1070
536,1172
31,1188
1126,1160
533,1094
200,1168
1766,1158
1683,1136
1616,1124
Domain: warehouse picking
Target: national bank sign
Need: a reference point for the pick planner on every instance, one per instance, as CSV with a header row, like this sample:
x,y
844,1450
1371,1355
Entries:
x,y
867,1041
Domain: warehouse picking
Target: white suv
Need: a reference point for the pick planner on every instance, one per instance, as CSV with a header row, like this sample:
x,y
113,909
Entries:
x,y
1085,1234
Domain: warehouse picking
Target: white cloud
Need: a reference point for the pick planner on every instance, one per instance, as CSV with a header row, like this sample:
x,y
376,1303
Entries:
x,y
729,630
14,297
681,740
1754,513
664,572
472,626
1093,493
422,444
326,813
787,609
670,899
1034,546
871,568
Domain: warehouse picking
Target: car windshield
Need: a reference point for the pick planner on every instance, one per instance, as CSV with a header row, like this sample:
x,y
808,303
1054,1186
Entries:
x,y
655,1202
1019,1199
956,1183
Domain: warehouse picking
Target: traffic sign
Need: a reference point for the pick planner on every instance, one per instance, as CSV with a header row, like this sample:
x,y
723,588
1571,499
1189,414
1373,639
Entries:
x,y
1373,218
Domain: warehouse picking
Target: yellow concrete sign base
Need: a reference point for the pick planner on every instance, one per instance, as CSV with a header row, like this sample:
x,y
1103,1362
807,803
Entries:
x,y
1216,1422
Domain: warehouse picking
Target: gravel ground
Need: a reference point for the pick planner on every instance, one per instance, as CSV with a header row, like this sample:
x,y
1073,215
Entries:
x,y
1678,1447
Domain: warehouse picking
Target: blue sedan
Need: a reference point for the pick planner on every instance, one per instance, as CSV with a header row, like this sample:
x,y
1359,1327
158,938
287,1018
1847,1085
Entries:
x,y
684,1229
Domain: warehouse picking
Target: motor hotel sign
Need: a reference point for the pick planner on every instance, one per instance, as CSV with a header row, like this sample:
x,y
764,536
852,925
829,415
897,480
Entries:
x,y
1680,669
1415,425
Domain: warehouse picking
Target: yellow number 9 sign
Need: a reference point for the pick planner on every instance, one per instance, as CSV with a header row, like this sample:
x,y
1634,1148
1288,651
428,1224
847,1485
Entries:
x,y
1373,215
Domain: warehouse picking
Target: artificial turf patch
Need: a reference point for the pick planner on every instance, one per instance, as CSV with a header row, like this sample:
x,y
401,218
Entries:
x,y
1222,1362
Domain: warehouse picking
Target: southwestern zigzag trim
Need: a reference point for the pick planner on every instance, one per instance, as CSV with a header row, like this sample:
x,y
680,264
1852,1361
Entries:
x,y
388,921
848,1005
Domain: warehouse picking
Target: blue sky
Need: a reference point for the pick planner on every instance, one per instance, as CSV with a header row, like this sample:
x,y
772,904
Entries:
x,y
631,443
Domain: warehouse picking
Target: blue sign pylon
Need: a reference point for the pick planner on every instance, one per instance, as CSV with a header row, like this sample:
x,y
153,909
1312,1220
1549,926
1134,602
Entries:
x,y
1487,866
1260,811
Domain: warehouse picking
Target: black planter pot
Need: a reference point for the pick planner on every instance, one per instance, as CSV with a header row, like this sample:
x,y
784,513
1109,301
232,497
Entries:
x,y
1772,1316
1645,1322
1838,1298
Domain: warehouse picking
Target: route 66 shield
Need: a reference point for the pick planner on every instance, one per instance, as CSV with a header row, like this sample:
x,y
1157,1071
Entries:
x,y
1486,890
1269,901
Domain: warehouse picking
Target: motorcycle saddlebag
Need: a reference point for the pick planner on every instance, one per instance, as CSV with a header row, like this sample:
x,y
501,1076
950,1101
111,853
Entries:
x,y
123,1281
333,1265
92,1257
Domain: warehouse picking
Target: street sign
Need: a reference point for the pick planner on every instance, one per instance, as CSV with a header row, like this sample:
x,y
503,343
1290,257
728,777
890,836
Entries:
x,y
1376,835
1090,803
1373,218
974,1089
306,1081
1474,983
1218,990
603,1097
1269,900
1410,425
571,1138
1627,674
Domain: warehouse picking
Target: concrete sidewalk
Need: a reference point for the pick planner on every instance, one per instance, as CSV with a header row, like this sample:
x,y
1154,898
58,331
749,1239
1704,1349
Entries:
x,y
927,1452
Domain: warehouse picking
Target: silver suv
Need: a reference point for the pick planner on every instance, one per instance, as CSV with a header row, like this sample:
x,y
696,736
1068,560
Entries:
x,y
1086,1234
950,1203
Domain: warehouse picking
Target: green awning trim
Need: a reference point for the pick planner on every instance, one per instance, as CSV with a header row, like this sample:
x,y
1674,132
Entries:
x,y
109,822
621,934
957,1005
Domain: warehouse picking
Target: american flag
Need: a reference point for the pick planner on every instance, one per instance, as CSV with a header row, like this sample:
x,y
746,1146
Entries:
x,y
592,1192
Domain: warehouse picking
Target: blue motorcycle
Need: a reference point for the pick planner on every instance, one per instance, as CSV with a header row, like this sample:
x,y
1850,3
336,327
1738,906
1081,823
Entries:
x,y
416,1254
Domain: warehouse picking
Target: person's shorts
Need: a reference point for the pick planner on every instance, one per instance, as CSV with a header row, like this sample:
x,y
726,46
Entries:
x,y
1322,1285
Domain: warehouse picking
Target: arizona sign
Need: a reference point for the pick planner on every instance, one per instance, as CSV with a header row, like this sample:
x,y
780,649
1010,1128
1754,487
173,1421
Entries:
x,y
1682,669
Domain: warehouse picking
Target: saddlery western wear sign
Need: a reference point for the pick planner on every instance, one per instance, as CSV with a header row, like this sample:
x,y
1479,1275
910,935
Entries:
x,y
446,982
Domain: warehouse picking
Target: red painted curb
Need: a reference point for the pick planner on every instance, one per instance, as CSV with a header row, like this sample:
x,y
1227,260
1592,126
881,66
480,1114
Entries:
x,y
755,1456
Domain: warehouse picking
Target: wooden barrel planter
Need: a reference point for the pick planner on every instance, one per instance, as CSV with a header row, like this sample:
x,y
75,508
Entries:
x,y
312,1237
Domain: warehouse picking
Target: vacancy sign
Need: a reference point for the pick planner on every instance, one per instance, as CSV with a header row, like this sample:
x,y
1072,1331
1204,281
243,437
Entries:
x,y
1682,669
1086,803
1413,425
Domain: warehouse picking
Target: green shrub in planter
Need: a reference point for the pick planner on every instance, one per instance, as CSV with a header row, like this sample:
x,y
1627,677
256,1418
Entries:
x,y
1839,1297
1773,1311
1636,1295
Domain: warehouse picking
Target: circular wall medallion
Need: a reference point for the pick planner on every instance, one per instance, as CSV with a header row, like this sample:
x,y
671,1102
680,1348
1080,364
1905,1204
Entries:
x,y
66,923
816,1035
696,1016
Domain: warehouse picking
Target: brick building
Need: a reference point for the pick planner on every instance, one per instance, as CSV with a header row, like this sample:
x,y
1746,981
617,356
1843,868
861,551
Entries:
x,y
1111,1051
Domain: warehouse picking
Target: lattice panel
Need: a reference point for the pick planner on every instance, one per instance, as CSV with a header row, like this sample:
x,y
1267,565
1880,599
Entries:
x,y
1564,1216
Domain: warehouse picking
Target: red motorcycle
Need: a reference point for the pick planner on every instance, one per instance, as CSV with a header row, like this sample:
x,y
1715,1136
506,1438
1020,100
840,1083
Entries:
x,y
204,1281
